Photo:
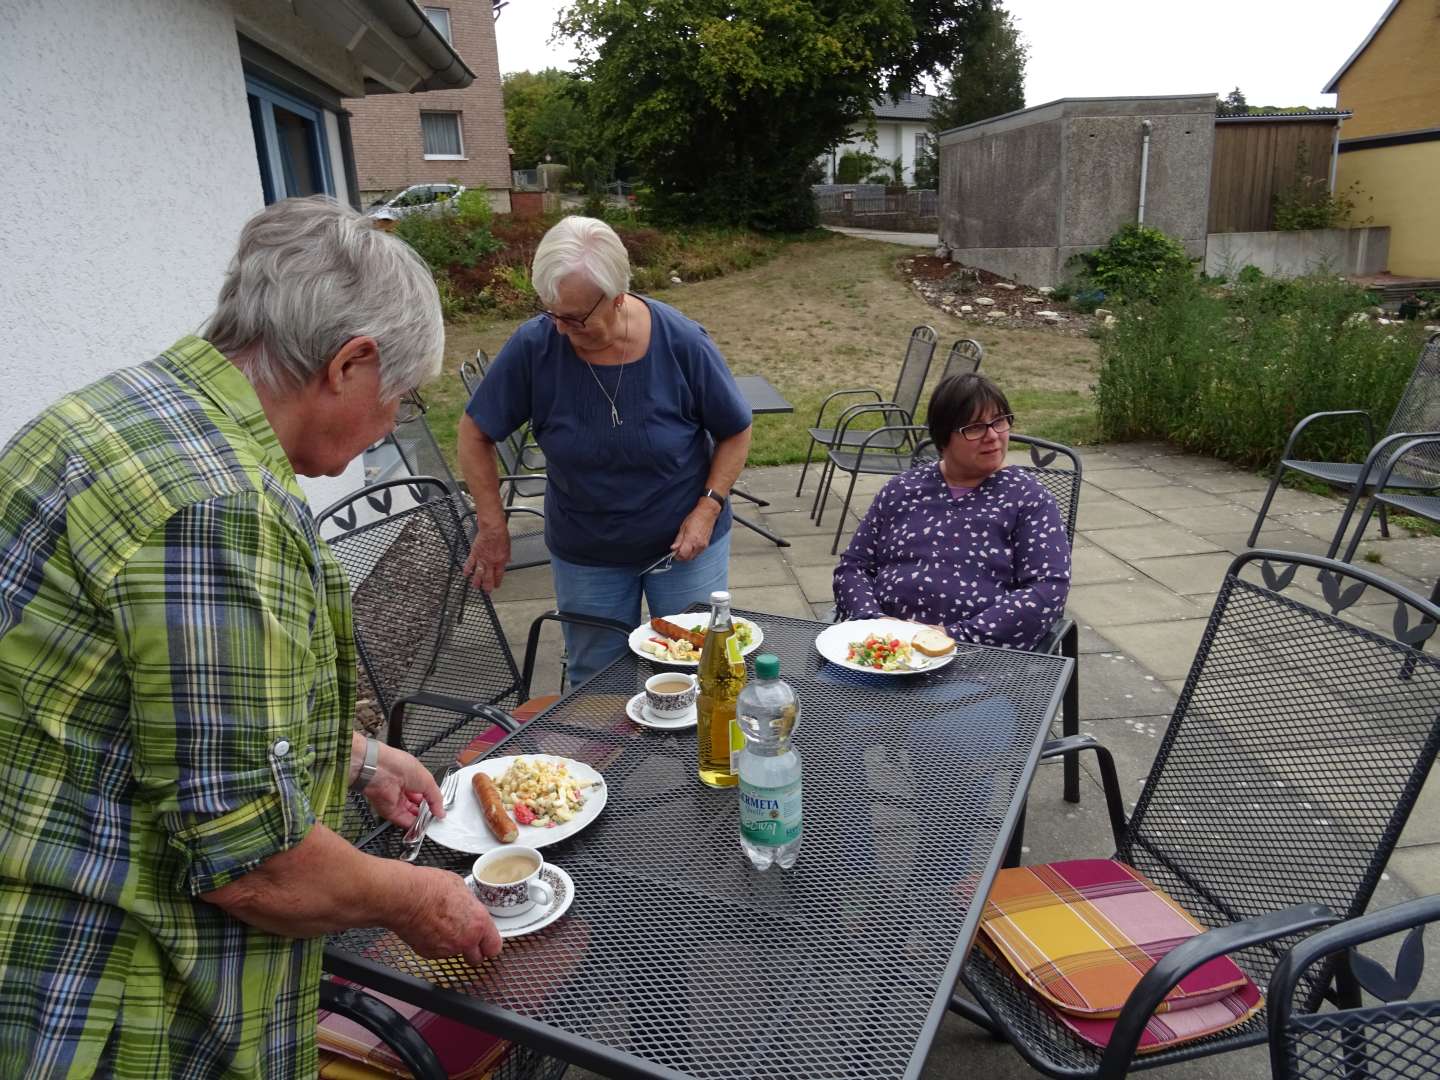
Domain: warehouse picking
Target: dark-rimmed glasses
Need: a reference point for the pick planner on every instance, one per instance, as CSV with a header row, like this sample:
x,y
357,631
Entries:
x,y
412,408
1000,425
569,320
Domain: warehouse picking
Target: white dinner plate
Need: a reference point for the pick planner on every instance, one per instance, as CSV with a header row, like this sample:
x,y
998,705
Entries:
x,y
463,827
834,644
694,620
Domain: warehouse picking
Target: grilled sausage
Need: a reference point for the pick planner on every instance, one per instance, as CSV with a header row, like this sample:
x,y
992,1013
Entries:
x,y
679,633
496,819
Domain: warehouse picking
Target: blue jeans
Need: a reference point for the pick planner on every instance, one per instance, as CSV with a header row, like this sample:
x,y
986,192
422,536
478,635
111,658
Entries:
x,y
614,592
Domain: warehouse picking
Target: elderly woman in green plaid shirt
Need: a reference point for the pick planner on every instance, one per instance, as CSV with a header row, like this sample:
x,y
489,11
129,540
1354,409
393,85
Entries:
x,y
177,673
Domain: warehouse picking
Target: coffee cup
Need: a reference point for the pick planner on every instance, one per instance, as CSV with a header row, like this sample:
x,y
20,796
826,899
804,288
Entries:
x,y
507,881
671,694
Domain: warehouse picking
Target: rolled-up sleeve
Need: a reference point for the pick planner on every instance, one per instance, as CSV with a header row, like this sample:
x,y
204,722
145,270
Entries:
x,y
214,616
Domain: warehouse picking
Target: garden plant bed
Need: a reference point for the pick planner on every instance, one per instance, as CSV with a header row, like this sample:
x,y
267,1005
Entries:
x,y
953,288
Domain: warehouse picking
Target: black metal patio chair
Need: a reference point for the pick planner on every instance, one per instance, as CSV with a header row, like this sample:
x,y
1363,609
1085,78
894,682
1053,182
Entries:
x,y
522,462
422,456
1418,413
1296,753
1398,1039
842,434
1418,461
882,451
964,359
434,661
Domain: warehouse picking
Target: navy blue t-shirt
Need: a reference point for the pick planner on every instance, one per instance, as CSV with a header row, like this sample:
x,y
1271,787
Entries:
x,y
615,496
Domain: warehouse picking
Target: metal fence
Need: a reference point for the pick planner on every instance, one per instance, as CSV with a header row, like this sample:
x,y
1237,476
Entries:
x,y
525,179
872,199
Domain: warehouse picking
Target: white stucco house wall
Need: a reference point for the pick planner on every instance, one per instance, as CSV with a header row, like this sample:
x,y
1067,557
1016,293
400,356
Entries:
x,y
138,136
900,126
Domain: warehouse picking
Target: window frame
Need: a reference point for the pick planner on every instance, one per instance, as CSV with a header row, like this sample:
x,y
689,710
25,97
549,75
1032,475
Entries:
x,y
459,134
272,166
448,29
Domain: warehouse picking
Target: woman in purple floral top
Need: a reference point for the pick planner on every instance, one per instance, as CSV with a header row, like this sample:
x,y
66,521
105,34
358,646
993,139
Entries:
x,y
964,542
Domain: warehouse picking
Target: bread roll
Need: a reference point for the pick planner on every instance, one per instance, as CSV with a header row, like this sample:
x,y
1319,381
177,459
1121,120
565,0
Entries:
x,y
932,643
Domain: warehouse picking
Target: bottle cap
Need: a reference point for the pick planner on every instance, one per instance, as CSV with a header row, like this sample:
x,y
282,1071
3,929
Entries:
x,y
767,666
720,596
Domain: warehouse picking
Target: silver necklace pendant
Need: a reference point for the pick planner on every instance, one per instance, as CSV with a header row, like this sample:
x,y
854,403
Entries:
x,y
615,420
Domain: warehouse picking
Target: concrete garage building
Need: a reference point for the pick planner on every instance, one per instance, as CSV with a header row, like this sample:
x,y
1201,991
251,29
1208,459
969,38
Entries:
x,y
1021,193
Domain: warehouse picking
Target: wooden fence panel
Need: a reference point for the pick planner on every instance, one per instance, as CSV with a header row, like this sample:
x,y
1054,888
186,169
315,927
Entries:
x,y
1255,161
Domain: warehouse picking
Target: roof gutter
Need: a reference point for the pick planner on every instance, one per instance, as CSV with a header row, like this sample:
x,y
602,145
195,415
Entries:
x,y
406,21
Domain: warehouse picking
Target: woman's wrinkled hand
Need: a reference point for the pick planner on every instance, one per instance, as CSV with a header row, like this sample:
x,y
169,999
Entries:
x,y
400,786
695,530
489,555
445,919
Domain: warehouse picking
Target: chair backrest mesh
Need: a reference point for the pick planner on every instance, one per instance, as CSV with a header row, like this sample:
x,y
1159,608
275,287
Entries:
x,y
965,356
1400,1041
1419,411
472,372
419,625
915,368
1297,749
421,453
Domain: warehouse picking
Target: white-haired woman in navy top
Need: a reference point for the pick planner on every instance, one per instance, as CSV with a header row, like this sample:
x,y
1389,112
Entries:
x,y
644,431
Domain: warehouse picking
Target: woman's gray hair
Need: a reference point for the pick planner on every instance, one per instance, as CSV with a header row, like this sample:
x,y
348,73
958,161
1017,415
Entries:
x,y
309,275
580,245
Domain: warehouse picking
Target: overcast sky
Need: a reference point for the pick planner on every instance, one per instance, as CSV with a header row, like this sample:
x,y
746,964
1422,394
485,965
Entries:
x,y
1279,52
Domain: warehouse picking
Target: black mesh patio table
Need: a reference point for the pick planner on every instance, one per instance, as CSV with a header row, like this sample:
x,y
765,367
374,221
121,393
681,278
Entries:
x,y
677,958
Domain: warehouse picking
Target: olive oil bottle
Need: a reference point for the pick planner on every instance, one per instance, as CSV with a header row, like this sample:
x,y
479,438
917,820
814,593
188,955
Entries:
x,y
722,677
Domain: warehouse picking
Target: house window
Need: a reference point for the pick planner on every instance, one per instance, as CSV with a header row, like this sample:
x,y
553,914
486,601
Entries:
x,y
922,144
289,143
440,19
441,132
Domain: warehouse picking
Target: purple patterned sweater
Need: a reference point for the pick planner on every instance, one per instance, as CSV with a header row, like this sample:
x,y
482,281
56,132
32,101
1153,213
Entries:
x,y
991,565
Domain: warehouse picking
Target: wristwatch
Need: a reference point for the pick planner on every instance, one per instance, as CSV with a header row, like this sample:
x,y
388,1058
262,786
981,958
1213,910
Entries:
x,y
713,494
370,766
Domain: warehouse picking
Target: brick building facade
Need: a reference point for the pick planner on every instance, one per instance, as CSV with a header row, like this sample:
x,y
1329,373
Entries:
x,y
442,135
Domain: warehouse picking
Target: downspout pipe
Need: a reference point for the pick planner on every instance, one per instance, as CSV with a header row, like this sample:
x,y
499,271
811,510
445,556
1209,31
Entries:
x,y
1145,127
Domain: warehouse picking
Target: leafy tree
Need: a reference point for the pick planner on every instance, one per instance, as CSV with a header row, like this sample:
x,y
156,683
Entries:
x,y
723,105
989,78
1232,104
545,114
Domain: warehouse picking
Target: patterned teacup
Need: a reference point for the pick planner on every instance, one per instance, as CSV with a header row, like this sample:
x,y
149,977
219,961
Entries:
x,y
671,694
507,881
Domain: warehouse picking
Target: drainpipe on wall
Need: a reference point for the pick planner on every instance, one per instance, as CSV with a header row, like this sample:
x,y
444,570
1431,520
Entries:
x,y
1144,168
1335,153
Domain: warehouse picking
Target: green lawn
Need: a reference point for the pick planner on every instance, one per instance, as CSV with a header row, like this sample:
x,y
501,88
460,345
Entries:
x,y
824,315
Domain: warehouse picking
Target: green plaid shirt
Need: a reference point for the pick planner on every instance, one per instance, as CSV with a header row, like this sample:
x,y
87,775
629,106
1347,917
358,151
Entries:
x,y
176,688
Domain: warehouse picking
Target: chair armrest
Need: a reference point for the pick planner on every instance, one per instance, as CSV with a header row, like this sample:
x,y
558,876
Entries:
x,y
378,1018
532,641
1423,438
465,708
1140,1006
885,409
866,407
820,416
511,511
1307,421
1109,778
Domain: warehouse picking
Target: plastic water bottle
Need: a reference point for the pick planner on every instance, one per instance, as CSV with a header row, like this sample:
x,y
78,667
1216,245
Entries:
x,y
771,821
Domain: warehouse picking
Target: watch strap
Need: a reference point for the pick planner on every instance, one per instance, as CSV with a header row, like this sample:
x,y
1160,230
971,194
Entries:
x,y
721,499
369,766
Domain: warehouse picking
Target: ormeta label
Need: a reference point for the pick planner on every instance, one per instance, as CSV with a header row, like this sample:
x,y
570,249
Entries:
x,y
770,816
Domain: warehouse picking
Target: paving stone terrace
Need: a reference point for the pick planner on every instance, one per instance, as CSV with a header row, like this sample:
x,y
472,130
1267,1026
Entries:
x,y
1156,530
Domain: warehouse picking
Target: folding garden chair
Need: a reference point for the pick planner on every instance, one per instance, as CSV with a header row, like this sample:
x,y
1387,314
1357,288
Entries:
x,y
882,451
964,359
1418,413
902,405
1059,471
521,459
433,658
1398,1039
1296,753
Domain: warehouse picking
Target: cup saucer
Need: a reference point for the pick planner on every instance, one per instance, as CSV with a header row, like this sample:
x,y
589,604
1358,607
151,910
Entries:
x,y
637,710
562,887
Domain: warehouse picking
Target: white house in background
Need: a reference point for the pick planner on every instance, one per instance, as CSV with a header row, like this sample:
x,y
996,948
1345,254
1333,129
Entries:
x,y
901,129
137,138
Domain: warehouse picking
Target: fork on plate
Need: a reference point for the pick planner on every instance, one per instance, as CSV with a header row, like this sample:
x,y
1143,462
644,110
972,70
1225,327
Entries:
x,y
414,837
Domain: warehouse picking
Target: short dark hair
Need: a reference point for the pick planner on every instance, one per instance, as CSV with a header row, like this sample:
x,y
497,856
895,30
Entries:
x,y
959,400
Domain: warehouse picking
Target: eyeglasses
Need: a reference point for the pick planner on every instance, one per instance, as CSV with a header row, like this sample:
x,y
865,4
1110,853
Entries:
x,y
570,320
412,408
1000,425
660,565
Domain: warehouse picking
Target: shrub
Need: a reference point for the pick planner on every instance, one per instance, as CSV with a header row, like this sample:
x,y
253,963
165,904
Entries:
x,y
454,238
1231,375
1062,292
853,165
1250,275
1135,264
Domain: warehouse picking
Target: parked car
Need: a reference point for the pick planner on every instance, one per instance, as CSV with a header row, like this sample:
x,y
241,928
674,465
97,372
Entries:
x,y
415,199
